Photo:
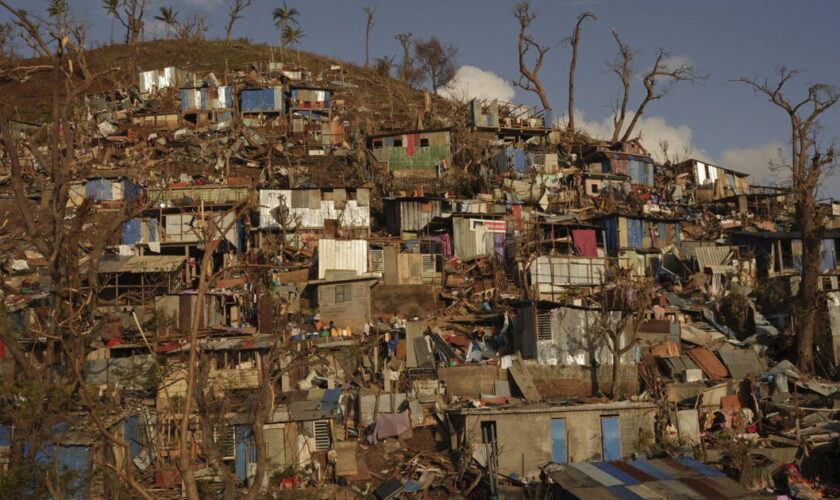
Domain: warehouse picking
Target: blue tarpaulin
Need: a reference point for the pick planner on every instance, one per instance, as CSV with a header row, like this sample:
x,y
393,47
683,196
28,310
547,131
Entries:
x,y
131,232
516,159
635,233
611,234
72,461
99,189
262,100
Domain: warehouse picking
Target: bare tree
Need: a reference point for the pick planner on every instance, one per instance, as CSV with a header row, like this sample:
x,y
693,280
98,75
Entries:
x,y
529,77
67,237
7,40
193,27
574,41
622,305
437,61
235,14
808,164
623,67
369,13
408,73
656,82
130,14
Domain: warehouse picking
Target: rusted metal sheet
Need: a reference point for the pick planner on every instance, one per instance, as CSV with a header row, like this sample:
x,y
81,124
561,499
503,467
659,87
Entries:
x,y
709,363
524,381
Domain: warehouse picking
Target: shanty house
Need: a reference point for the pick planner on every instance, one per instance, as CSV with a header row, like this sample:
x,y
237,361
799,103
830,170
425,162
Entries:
x,y
166,121
163,78
413,153
639,168
566,344
568,254
712,182
129,278
476,236
270,100
560,434
207,98
412,214
301,428
344,258
409,262
780,252
345,301
638,242
507,118
323,210
103,189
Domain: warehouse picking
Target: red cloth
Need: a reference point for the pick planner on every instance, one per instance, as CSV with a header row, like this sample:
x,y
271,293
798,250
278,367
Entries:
x,y
113,342
517,211
585,243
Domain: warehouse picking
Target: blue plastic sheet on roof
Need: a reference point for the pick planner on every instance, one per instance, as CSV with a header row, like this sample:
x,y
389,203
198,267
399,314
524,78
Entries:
x,y
700,467
650,469
330,399
617,473
624,493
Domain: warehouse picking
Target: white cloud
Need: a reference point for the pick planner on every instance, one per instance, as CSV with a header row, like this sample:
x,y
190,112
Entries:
x,y
653,130
756,161
471,82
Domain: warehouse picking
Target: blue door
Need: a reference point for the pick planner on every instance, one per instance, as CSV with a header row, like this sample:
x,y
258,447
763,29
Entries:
x,y
611,438
246,450
559,447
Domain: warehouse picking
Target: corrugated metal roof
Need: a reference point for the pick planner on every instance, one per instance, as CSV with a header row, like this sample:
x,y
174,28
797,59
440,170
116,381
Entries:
x,y
707,362
141,264
658,478
713,256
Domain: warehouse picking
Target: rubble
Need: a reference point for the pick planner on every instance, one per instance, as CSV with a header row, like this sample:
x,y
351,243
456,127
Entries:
x,y
457,309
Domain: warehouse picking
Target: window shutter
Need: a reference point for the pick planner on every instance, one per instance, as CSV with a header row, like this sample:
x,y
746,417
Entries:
x,y
544,326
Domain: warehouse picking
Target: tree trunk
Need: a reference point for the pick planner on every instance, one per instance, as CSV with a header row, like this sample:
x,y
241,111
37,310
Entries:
x,y
367,48
616,365
808,293
263,410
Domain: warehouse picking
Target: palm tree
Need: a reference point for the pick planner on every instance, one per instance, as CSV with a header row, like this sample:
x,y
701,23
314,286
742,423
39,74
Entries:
x,y
292,36
111,7
283,17
168,17
58,9
384,65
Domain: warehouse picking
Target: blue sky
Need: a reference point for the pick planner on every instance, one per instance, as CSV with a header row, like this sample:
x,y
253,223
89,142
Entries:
x,y
722,121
